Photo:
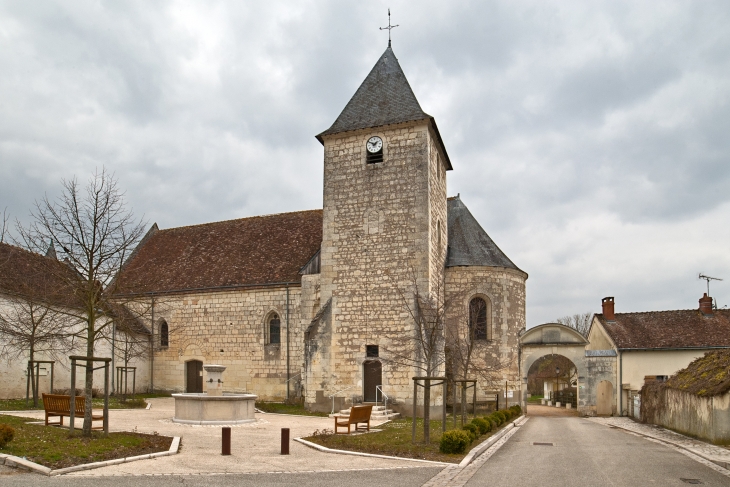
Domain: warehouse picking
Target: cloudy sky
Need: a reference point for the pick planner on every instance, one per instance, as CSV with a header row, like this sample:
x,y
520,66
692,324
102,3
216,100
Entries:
x,y
590,139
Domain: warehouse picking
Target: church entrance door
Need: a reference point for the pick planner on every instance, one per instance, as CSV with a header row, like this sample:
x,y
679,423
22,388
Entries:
x,y
373,377
194,376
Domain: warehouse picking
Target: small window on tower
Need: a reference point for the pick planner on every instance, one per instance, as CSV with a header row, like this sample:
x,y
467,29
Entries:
x,y
374,147
372,351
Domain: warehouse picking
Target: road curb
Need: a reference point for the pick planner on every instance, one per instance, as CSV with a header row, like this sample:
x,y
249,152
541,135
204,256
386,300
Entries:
x,y
17,462
483,446
361,454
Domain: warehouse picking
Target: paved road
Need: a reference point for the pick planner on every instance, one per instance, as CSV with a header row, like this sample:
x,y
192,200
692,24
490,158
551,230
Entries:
x,y
406,477
585,453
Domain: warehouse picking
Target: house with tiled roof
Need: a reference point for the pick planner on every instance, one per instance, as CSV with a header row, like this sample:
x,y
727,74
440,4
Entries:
x,y
652,344
310,304
38,305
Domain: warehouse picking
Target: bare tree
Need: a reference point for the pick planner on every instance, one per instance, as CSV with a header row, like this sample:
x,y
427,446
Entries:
x,y
34,316
97,233
4,225
579,322
422,348
470,349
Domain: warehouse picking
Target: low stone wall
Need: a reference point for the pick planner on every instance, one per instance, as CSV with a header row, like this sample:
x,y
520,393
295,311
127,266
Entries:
x,y
707,418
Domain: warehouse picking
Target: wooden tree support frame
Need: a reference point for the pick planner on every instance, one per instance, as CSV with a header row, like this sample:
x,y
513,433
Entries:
x,y
86,360
465,385
427,403
35,364
123,372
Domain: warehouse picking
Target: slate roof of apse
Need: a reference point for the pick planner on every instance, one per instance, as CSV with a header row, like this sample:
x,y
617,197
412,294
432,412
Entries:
x,y
384,98
669,329
260,250
469,244
45,279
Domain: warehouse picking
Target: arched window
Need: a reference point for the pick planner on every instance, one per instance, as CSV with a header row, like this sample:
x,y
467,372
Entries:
x,y
478,322
273,328
164,334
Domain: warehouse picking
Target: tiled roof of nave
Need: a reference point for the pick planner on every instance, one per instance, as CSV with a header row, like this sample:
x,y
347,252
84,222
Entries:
x,y
260,250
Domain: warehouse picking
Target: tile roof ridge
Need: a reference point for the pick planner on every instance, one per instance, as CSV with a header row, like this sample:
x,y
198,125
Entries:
x,y
656,311
268,215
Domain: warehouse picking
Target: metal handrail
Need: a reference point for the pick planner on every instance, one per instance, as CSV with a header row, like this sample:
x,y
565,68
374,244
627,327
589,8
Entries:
x,y
385,396
333,398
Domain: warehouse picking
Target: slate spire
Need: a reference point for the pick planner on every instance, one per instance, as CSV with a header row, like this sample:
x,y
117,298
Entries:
x,y
384,98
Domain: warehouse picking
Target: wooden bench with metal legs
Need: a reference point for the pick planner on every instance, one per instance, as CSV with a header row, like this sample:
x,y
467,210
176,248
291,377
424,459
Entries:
x,y
358,414
60,405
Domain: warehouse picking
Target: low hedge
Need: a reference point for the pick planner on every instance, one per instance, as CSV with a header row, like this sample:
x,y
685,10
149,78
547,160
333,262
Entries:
x,y
472,430
455,441
482,425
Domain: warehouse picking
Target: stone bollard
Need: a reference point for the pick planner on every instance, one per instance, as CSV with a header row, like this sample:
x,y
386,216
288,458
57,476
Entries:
x,y
557,404
568,406
549,403
543,401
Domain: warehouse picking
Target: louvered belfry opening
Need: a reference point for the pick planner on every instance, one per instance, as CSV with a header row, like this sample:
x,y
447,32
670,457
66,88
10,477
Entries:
x,y
375,157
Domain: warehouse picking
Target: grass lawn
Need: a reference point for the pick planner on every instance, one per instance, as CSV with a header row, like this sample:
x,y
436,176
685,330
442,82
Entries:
x,y
54,448
534,399
395,440
283,408
115,402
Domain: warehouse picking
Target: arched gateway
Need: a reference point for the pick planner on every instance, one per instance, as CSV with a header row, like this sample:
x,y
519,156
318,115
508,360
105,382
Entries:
x,y
555,339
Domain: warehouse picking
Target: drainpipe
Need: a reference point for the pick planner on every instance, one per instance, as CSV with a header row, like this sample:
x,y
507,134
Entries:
x,y
620,383
287,343
152,349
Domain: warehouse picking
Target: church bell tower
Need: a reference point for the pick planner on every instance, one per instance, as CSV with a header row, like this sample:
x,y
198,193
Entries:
x,y
384,235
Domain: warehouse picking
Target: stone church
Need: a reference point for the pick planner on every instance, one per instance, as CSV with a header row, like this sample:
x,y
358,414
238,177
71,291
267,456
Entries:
x,y
314,304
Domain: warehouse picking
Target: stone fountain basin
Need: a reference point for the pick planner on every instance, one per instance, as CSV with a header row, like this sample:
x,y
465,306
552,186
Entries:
x,y
203,409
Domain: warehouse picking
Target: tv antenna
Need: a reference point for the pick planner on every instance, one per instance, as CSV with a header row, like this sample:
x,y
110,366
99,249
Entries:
x,y
389,28
708,279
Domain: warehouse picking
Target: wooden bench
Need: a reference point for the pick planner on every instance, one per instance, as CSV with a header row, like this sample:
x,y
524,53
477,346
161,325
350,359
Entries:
x,y
60,405
358,414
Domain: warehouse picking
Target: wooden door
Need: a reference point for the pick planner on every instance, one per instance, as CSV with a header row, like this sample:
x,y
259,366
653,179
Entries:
x,y
373,376
194,382
604,398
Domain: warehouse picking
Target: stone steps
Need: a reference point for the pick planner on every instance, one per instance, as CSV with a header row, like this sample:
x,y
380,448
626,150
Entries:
x,y
379,413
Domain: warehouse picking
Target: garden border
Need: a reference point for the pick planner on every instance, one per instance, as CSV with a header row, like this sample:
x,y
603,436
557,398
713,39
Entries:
x,y
17,462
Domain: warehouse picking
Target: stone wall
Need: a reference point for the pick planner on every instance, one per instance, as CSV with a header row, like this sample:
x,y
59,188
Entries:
x,y
505,290
228,328
377,240
707,418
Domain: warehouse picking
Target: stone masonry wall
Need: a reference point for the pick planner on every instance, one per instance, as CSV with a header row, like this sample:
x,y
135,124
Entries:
x,y
376,244
505,289
228,328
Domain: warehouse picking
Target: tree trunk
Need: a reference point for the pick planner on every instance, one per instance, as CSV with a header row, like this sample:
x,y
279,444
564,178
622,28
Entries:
x,y
427,412
31,371
89,376
463,403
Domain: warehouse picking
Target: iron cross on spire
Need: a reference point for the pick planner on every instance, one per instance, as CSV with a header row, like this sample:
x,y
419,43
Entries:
x,y
389,28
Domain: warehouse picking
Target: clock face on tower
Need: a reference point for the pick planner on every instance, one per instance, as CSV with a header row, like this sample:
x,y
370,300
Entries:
x,y
374,144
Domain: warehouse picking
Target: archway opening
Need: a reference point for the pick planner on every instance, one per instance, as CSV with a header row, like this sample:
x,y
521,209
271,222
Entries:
x,y
553,378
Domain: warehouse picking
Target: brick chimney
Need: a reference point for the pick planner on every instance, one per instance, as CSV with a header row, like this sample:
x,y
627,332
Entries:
x,y
608,308
706,305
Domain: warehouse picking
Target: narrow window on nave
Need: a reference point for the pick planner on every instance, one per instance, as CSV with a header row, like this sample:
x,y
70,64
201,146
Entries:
x,y
274,329
164,334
